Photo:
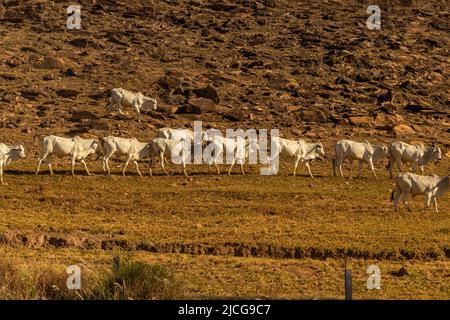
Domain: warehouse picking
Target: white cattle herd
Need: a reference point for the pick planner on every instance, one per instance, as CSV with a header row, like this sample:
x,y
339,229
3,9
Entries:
x,y
177,144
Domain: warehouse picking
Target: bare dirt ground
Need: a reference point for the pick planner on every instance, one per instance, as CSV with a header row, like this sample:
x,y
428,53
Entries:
x,y
313,70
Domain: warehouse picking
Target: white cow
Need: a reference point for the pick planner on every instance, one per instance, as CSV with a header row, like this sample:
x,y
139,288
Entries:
x,y
301,150
352,150
132,148
77,148
121,97
410,183
9,154
237,149
417,155
169,149
176,134
380,152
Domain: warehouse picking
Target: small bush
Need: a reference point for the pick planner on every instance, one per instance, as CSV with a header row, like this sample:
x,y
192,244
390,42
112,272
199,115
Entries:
x,y
136,280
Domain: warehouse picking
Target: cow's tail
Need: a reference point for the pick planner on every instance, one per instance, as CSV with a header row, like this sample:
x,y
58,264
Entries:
x,y
101,149
390,160
396,190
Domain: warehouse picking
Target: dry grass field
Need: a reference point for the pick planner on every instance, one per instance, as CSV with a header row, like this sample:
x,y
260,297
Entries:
x,y
231,236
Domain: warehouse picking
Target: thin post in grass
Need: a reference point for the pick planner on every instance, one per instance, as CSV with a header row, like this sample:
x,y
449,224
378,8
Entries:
x,y
348,278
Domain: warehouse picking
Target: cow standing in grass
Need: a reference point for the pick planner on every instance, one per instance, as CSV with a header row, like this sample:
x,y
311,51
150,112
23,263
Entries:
x,y
77,148
9,154
418,155
352,150
132,148
432,187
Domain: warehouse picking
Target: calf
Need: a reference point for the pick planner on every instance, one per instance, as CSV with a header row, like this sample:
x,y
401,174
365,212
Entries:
x,y
132,148
9,154
77,148
409,183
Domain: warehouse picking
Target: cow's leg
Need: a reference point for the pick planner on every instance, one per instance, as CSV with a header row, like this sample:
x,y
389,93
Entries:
x,y
40,162
137,167
405,195
427,201
435,204
126,165
138,112
162,163
1,172
106,158
217,167
103,164
372,168
184,167
49,163
107,166
399,165
297,160
338,164
309,169
150,162
397,195
85,166
232,164
73,164
242,168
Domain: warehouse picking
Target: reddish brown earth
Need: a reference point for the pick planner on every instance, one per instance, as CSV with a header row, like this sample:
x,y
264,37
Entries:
x,y
312,70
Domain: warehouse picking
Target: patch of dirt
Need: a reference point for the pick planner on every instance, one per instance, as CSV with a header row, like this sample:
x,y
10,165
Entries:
x,y
16,239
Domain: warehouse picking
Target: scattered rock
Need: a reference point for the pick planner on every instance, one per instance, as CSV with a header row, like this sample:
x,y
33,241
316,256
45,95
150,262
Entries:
x,y
364,121
400,273
402,129
208,93
67,93
189,109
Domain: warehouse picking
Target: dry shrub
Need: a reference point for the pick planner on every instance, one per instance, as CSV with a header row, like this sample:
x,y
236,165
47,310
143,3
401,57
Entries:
x,y
136,280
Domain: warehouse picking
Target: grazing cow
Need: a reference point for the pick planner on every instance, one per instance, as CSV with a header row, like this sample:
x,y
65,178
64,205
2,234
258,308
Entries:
x,y
417,155
352,150
408,183
121,97
9,154
132,148
168,148
77,148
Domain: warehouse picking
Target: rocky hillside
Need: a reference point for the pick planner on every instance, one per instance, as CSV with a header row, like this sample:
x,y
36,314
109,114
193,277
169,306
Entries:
x,y
309,68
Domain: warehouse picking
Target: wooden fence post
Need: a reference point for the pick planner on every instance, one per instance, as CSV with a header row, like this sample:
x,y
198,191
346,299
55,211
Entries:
x,y
348,278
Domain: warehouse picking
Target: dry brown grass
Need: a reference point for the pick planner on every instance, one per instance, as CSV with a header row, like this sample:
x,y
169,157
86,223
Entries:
x,y
259,220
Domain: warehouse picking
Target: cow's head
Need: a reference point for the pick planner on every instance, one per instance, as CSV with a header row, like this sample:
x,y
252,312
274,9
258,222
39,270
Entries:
x,y
149,104
320,151
436,153
17,152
